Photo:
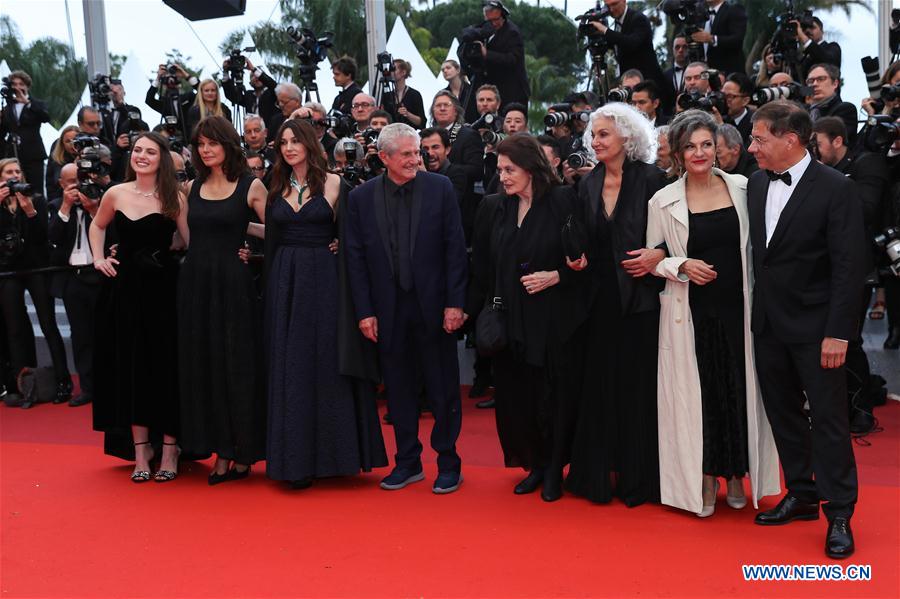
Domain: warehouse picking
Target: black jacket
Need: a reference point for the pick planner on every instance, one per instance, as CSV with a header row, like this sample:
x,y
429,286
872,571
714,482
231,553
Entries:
x,y
813,54
634,50
843,110
629,225
869,173
28,127
263,104
33,233
467,150
344,100
504,66
809,278
412,101
158,100
730,28
745,127
112,129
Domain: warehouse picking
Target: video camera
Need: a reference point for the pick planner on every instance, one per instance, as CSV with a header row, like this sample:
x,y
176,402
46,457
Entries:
x,y
784,45
16,186
595,42
6,90
89,165
236,62
889,241
788,91
469,51
100,90
309,49
882,130
563,113
692,16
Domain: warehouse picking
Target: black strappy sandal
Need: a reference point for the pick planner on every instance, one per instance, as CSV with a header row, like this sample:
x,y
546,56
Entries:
x,y
142,476
164,476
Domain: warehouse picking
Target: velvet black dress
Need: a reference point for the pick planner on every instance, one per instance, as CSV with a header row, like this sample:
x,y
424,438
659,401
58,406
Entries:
x,y
717,311
223,409
321,423
135,349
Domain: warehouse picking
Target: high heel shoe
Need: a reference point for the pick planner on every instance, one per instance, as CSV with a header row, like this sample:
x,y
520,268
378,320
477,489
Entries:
x,y
142,476
736,501
164,476
235,474
530,483
709,510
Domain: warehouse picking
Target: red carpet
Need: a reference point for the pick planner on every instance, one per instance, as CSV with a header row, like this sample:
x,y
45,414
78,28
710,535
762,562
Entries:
x,y
74,526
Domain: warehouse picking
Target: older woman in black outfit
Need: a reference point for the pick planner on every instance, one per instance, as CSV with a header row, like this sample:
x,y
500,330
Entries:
x,y
615,447
518,255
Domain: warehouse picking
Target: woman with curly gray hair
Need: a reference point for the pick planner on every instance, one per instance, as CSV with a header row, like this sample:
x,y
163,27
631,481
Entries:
x,y
711,418
615,447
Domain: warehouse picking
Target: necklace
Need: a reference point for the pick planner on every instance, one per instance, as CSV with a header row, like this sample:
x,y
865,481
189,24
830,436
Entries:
x,y
141,193
299,187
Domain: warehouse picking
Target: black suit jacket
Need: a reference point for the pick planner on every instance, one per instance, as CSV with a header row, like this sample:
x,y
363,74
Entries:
x,y
157,99
437,251
263,104
467,151
843,110
634,50
745,127
344,99
674,87
62,234
809,279
504,66
870,175
730,28
28,127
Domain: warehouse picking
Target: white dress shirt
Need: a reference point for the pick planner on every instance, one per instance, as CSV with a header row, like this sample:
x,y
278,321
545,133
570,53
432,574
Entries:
x,y
81,251
780,193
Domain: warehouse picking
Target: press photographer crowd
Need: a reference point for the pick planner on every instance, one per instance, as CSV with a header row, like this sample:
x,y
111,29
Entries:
x,y
666,287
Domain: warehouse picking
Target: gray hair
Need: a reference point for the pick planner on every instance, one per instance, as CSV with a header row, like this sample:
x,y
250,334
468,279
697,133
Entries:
x,y
391,134
289,88
338,151
316,107
640,138
250,116
662,130
730,136
683,127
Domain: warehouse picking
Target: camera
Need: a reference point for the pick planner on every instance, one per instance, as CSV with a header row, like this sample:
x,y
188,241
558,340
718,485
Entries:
x,y
882,131
619,94
173,131
171,79
694,99
492,138
89,165
353,172
889,241
101,93
562,114
789,91
890,93
469,48
784,44
6,90
310,50
579,159
691,16
83,141
597,14
16,186
872,69
236,62
489,120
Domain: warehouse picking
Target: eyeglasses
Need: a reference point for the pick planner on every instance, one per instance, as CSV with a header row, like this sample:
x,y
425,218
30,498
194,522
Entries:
x,y
443,105
814,80
361,105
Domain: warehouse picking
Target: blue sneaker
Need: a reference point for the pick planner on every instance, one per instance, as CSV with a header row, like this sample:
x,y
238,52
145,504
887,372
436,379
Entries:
x,y
447,482
400,477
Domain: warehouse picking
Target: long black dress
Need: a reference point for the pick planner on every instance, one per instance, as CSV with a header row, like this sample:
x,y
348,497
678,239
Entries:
x,y
615,452
320,424
223,409
136,379
717,311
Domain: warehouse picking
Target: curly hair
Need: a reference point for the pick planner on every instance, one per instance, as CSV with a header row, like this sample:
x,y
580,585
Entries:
x,y
683,127
639,135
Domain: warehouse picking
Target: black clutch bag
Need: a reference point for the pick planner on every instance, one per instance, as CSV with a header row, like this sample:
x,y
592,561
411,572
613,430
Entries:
x,y
575,240
490,329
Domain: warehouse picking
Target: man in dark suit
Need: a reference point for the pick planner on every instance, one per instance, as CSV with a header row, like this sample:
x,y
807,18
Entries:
x,y
675,74
164,96
723,36
343,71
259,99
502,59
806,225
406,260
815,49
645,97
118,122
20,130
825,81
631,36
737,90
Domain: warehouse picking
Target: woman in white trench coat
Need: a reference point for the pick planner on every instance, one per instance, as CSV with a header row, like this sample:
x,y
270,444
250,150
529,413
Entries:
x,y
707,376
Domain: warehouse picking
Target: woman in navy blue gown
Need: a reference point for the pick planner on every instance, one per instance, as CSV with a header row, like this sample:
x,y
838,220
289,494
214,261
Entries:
x,y
321,422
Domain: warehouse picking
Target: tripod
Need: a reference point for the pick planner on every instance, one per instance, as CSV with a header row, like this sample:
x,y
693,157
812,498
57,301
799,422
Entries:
x,y
603,76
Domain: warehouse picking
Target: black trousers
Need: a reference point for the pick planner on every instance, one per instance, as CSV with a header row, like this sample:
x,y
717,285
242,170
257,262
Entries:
x,y
18,326
34,174
816,452
79,293
412,341
858,371
892,301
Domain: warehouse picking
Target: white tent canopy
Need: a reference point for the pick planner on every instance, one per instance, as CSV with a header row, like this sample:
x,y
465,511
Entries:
x,y
400,45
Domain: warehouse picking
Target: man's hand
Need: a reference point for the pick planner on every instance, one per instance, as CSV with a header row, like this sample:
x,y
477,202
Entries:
x,y
538,281
71,197
599,26
90,206
644,261
301,113
801,35
26,205
834,352
334,246
483,49
716,115
369,328
21,96
703,37
123,141
453,319
249,65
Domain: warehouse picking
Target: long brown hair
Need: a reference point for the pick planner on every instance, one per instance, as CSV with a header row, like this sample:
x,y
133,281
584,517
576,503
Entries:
x,y
316,166
219,129
526,153
166,183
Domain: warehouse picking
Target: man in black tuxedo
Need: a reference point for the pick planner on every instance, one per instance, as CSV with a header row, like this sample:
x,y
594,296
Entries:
x,y
806,226
406,261
737,90
259,99
815,49
825,81
502,59
723,36
675,74
120,120
165,97
343,71
20,130
631,36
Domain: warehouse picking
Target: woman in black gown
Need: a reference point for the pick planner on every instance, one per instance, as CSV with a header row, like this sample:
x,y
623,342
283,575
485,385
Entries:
x,y
223,398
518,255
410,107
321,422
615,447
136,386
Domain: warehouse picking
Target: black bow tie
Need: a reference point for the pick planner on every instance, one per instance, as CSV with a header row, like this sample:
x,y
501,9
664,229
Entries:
x,y
712,13
678,68
785,176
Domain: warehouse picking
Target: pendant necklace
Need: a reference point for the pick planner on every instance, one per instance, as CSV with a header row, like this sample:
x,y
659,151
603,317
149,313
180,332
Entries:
x,y
300,188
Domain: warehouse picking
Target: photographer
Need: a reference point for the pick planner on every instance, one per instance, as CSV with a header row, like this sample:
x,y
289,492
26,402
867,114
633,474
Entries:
x,y
23,230
731,153
20,127
737,90
165,97
723,36
62,153
825,81
515,119
890,78
89,121
466,147
498,56
696,78
408,101
343,71
675,74
70,219
119,124
487,100
815,49
869,172
259,99
645,97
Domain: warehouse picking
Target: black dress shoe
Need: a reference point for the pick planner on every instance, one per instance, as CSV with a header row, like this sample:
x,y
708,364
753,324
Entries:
x,y
479,389
530,483
788,509
63,391
839,540
552,489
488,403
893,340
862,422
303,483
81,400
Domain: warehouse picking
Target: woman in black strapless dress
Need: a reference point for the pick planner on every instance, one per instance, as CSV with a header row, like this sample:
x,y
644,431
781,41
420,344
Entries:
x,y
136,384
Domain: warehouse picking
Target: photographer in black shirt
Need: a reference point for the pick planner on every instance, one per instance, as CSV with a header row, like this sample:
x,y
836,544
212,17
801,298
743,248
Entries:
x,y
20,128
165,97
259,99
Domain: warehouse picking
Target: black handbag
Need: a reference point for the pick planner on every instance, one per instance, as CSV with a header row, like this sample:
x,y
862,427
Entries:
x,y
575,240
11,246
491,336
